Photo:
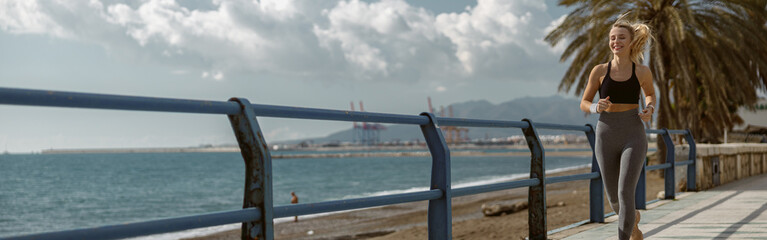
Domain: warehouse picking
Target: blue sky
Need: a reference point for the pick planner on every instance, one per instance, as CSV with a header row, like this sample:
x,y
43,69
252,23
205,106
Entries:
x,y
322,54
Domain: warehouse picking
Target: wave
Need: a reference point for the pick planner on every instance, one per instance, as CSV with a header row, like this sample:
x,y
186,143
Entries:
x,y
468,183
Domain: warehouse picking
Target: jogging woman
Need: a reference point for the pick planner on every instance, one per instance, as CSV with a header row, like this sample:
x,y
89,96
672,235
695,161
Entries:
x,y
621,145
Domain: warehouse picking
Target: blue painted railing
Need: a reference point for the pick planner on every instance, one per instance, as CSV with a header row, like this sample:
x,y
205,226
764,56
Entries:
x,y
258,211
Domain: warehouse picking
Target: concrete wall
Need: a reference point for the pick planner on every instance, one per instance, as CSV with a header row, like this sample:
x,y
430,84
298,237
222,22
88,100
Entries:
x,y
736,161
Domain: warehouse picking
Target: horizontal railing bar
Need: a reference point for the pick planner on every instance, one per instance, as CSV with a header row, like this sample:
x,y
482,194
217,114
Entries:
x,y
340,205
677,132
465,122
44,98
582,128
654,131
658,166
682,163
151,227
15,96
575,177
457,192
338,115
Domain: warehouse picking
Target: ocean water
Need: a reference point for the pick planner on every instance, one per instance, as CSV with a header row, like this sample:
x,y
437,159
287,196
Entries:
x,y
41,193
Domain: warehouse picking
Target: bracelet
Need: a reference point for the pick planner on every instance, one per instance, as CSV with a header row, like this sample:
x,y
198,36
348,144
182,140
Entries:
x,y
593,108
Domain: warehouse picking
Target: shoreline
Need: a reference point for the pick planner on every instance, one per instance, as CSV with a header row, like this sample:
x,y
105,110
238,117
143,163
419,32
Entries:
x,y
408,220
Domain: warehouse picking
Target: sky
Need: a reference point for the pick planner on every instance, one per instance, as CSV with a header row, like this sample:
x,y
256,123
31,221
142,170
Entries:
x,y
391,54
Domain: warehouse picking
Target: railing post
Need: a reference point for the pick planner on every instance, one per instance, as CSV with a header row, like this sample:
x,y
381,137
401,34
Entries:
x,y
669,172
691,169
258,171
440,210
536,196
640,194
596,190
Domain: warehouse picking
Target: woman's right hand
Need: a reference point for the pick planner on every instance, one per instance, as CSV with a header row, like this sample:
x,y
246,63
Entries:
x,y
603,104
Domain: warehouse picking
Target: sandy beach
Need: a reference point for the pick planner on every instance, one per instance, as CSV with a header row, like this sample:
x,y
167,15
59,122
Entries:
x,y
408,220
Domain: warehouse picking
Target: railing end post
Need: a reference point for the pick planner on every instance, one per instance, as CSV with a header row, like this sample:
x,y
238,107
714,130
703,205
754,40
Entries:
x,y
536,197
258,171
440,215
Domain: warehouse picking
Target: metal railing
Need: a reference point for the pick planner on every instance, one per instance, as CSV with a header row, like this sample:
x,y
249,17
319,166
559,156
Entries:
x,y
258,211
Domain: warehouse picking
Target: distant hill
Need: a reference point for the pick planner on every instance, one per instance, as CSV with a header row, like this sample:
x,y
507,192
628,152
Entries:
x,y
553,109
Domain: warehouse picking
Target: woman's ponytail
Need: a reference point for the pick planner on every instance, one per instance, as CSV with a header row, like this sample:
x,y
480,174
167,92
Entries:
x,y
642,35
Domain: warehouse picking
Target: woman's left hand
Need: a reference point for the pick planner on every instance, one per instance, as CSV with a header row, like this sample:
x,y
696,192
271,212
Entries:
x,y
646,114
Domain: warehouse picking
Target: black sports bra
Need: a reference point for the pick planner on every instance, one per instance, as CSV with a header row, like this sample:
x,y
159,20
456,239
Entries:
x,y
623,91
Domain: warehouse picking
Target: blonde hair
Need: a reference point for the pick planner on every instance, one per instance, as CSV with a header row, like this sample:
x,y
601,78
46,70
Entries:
x,y
640,36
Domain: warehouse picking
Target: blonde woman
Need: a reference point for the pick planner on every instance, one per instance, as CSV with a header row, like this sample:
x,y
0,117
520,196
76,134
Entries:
x,y
620,137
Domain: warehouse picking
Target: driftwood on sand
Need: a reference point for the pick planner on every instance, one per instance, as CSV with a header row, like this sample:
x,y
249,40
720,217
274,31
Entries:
x,y
499,209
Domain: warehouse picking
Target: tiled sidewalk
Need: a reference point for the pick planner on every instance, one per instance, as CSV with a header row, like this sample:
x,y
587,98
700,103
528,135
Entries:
x,y
737,210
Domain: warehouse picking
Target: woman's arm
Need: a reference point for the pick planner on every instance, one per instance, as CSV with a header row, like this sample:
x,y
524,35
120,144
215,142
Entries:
x,y
645,80
591,87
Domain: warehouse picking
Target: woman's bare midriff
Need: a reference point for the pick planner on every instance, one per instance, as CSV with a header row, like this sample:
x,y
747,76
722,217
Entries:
x,y
621,107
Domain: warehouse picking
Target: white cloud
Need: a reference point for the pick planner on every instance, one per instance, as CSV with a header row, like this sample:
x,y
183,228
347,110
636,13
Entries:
x,y
496,37
215,75
386,39
218,76
344,40
441,89
28,17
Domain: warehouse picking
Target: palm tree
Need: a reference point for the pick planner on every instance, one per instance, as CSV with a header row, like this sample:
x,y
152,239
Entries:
x,y
708,59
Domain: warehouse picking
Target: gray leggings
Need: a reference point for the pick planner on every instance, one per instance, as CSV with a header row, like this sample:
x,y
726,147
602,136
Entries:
x,y
621,147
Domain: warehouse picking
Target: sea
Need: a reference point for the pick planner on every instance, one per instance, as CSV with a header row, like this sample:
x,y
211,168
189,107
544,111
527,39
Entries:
x,y
53,192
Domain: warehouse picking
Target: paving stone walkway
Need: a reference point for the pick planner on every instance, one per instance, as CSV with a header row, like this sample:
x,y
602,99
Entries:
x,y
736,210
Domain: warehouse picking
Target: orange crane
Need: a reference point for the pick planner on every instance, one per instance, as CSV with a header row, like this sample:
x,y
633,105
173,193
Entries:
x,y
452,133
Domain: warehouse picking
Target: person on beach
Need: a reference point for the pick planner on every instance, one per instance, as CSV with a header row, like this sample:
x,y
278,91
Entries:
x,y
621,144
294,200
